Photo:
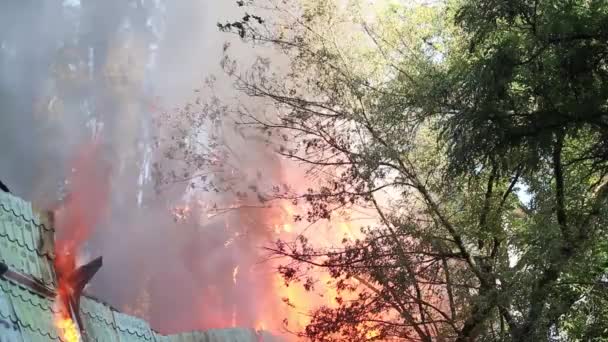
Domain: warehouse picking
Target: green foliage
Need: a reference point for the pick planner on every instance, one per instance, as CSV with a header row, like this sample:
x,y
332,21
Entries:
x,y
535,68
451,109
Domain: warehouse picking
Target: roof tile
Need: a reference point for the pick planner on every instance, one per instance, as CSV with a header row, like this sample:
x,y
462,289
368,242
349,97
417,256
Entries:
x,y
98,321
131,328
33,312
25,246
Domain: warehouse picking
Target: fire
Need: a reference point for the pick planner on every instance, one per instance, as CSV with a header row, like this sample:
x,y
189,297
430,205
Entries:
x,y
299,302
287,228
68,331
86,202
289,209
346,230
65,264
372,334
78,215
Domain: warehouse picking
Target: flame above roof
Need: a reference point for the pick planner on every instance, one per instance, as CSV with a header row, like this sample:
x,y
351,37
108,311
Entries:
x,y
28,286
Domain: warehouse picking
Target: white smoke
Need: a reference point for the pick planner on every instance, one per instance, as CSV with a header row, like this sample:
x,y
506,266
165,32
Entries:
x,y
73,70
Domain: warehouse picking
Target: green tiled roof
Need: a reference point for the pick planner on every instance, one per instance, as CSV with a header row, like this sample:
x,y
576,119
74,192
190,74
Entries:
x,y
98,321
231,335
29,313
26,244
9,327
26,311
215,335
132,328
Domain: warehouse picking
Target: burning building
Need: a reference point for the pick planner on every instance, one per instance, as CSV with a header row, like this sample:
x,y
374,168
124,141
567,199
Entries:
x,y
30,285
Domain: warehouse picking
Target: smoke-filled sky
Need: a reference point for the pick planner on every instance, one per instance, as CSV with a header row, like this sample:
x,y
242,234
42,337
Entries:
x,y
76,71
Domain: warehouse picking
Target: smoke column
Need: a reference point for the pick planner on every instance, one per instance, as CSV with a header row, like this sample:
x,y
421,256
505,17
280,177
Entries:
x,y
72,71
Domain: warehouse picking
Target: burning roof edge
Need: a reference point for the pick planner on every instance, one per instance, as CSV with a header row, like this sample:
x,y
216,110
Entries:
x,y
28,288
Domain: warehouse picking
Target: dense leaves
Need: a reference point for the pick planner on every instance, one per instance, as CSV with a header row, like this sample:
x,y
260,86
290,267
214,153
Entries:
x,y
534,69
475,131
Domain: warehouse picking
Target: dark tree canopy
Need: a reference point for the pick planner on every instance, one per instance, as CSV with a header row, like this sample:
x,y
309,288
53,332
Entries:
x,y
534,70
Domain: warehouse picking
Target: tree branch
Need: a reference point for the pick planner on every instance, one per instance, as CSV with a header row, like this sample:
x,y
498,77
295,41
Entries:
x,y
559,187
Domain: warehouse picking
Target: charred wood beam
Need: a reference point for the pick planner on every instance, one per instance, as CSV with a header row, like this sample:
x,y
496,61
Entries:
x,y
3,187
81,277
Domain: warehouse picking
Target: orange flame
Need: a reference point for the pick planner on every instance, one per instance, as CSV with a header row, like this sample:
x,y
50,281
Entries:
x,y
68,331
65,263
75,220
299,301
372,334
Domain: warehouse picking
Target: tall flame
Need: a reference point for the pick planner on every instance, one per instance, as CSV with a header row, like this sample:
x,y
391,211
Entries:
x,y
84,209
293,303
79,214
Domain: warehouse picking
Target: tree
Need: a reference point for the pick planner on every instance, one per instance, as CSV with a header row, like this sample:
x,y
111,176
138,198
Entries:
x,y
443,119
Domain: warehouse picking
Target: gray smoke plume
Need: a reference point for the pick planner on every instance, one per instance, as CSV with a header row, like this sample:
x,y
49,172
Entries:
x,y
75,70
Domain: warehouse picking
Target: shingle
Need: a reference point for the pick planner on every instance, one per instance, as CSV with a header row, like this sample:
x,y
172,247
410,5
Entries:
x,y
230,335
158,337
200,336
33,312
9,328
25,246
183,337
131,328
98,320
96,310
23,209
